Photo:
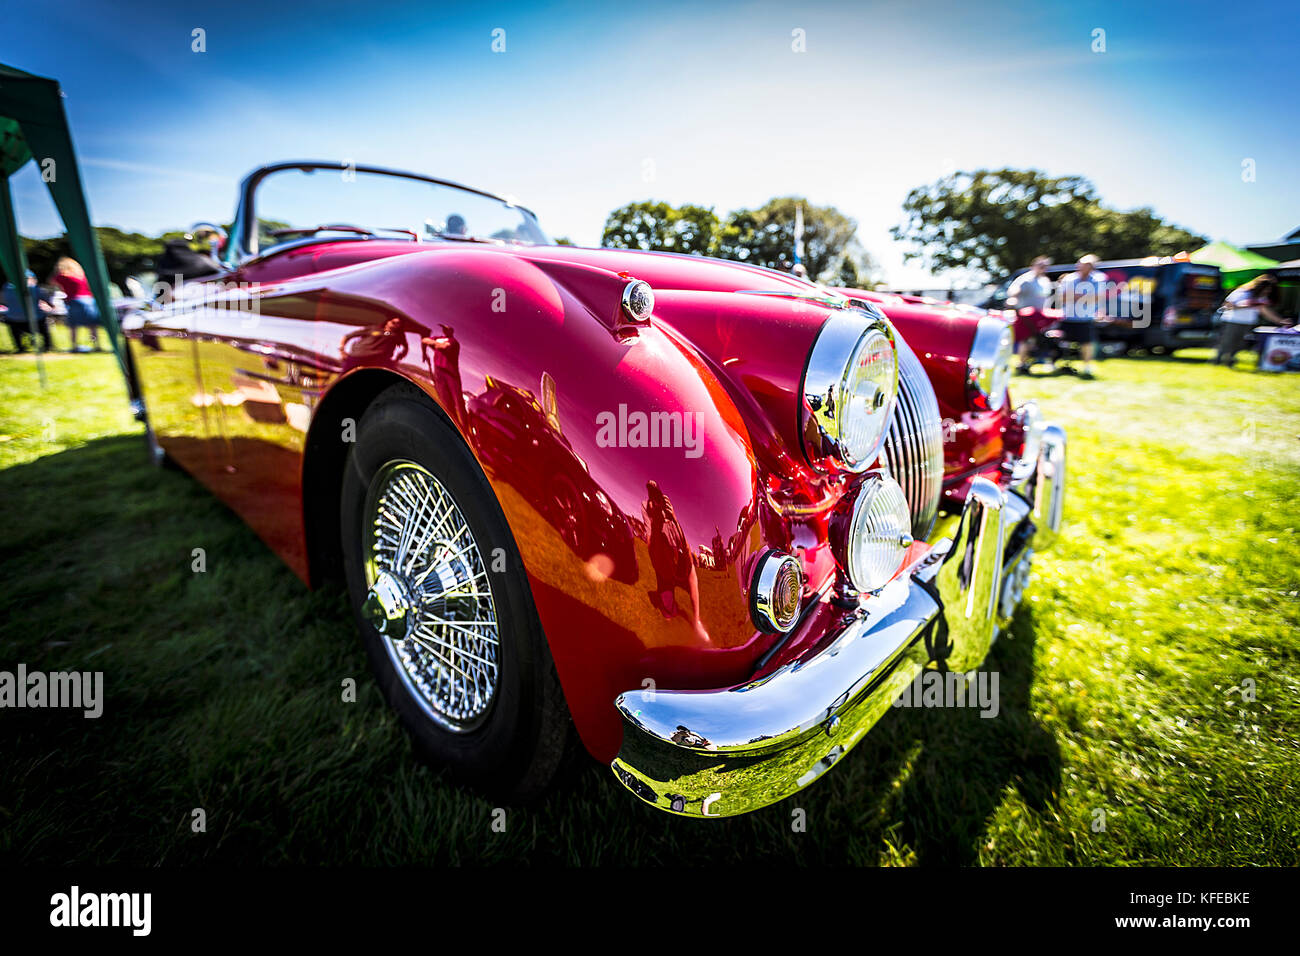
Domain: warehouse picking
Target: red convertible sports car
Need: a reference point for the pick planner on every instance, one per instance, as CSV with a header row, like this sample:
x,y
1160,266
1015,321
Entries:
x,y
710,517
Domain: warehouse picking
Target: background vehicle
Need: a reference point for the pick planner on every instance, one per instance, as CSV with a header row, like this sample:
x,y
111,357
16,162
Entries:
x,y
420,413
1162,304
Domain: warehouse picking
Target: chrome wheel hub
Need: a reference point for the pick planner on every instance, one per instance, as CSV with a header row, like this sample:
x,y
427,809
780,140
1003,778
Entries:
x,y
428,595
390,605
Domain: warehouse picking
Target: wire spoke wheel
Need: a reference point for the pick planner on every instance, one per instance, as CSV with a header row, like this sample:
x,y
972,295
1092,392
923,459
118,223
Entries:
x,y
429,597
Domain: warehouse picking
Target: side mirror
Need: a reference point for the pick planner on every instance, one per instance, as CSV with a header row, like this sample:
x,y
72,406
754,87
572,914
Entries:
x,y
211,235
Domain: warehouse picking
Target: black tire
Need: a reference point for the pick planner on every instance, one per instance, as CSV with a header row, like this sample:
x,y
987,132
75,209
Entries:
x,y
518,747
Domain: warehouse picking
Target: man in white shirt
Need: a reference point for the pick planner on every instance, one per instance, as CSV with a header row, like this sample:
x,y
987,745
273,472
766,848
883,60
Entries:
x,y
1082,294
1029,295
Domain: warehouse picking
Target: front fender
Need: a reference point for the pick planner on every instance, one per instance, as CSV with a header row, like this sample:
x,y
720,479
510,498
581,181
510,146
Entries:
x,y
623,466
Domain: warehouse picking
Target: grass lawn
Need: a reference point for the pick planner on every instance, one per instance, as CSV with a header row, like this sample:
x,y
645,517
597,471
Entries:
x,y
1149,685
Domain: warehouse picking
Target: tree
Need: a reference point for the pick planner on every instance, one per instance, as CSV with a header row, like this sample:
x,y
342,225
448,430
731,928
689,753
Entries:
x,y
765,236
995,221
1139,233
125,253
657,226
846,277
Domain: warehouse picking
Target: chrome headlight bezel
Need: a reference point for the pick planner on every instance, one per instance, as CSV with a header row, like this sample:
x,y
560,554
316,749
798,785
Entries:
x,y
871,541
826,389
988,369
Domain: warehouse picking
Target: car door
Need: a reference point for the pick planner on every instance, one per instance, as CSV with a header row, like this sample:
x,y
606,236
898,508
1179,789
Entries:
x,y
255,351
162,351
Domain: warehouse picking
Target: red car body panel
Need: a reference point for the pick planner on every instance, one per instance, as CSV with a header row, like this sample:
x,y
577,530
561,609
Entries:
x,y
639,559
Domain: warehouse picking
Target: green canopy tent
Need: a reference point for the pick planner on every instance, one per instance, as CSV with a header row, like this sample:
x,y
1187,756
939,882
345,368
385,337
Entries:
x,y
1236,265
33,126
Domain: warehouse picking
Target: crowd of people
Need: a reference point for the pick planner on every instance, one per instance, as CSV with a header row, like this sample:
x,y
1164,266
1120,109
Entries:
x,y
1082,296
80,311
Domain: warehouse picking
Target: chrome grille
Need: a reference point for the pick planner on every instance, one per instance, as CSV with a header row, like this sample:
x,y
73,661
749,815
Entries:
x,y
914,448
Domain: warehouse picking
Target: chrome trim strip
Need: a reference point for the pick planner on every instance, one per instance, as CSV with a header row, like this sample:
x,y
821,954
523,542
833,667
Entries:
x,y
830,300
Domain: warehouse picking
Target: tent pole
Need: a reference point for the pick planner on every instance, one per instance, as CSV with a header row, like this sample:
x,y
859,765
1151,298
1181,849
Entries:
x,y
9,223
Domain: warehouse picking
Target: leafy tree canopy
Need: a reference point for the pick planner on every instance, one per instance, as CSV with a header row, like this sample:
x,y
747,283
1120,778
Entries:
x,y
762,237
765,237
657,226
995,221
125,253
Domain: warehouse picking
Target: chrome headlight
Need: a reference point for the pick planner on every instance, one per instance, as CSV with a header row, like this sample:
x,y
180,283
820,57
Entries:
x,y
878,534
988,370
849,389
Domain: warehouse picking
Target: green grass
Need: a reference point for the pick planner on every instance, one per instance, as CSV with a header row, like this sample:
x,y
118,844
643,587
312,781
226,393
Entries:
x,y
1175,582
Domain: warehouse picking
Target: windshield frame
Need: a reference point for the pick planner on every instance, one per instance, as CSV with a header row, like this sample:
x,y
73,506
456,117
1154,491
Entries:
x,y
243,244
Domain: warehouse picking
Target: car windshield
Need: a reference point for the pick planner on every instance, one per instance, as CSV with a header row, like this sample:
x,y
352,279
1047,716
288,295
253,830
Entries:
x,y
295,203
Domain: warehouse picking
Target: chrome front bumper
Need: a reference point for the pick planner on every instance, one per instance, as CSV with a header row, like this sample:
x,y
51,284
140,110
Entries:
x,y
718,753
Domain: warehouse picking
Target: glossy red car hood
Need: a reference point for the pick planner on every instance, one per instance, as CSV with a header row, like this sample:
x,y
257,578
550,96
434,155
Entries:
x,y
755,345
666,270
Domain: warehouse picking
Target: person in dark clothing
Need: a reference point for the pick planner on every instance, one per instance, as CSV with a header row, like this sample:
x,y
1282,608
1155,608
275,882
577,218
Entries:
x,y
1248,306
16,317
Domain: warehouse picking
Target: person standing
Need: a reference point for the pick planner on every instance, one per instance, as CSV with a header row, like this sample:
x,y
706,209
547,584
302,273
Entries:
x,y
1082,295
82,312
16,316
1244,309
1029,295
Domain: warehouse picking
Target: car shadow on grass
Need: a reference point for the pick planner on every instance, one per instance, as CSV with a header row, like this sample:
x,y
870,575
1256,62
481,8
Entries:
x,y
213,680
921,788
944,771
221,691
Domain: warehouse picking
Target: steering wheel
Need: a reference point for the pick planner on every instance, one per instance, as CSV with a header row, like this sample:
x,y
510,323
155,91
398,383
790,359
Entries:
x,y
312,230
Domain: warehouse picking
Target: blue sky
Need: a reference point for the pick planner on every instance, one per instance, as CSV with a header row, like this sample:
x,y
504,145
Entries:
x,y
590,108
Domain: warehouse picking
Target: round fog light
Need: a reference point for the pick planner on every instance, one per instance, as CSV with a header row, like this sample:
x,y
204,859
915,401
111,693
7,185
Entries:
x,y
879,533
776,592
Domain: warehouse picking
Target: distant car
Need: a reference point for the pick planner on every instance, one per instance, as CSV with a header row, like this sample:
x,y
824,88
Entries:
x,y
689,508
1158,305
